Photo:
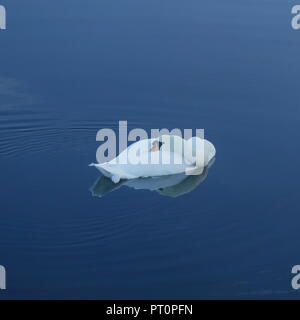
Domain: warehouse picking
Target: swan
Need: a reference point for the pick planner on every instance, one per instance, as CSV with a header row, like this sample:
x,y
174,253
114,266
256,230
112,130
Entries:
x,y
165,155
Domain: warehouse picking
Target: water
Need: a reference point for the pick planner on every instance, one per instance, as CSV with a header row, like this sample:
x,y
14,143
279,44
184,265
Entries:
x,y
70,69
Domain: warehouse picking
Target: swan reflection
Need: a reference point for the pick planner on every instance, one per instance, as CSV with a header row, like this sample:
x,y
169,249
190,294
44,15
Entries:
x,y
171,185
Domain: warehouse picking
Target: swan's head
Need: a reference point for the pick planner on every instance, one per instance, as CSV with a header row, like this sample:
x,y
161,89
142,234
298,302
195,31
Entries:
x,y
157,144
160,144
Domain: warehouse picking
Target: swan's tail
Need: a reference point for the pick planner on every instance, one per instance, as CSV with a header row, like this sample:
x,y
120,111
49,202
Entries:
x,y
105,169
97,165
101,167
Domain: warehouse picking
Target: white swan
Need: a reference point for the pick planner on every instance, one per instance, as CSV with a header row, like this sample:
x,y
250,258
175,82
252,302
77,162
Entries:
x,y
161,156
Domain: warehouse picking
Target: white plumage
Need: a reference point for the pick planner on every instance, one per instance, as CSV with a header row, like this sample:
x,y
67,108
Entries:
x,y
175,156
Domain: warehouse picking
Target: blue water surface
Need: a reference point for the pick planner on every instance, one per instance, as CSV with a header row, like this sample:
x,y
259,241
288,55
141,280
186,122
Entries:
x,y
70,68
